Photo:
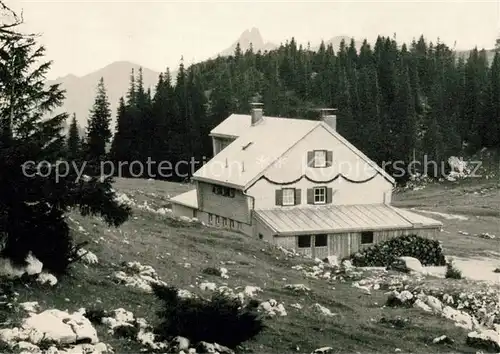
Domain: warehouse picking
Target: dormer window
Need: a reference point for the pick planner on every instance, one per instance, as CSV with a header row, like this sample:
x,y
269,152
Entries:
x,y
319,158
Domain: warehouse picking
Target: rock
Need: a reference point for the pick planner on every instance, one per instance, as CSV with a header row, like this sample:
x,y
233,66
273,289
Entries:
x,y
332,260
323,350
323,310
396,298
442,340
434,303
251,291
407,265
485,339
31,306
204,347
44,278
461,319
297,287
347,265
422,305
179,343
62,327
208,286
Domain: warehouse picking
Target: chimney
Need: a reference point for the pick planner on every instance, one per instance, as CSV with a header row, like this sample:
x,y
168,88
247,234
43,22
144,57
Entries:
x,y
329,117
256,113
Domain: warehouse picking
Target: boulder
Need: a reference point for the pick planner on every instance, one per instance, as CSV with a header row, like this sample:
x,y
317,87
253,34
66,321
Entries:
x,y
486,339
62,327
407,265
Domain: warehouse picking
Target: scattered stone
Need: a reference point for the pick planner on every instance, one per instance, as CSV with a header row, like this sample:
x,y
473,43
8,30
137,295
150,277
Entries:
x,y
46,278
31,307
443,340
332,261
407,265
487,235
323,350
272,308
87,256
297,287
323,310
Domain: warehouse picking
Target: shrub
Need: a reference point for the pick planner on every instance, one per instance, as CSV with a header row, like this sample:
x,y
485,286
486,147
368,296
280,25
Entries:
x,y
212,271
383,254
126,331
95,315
220,320
452,272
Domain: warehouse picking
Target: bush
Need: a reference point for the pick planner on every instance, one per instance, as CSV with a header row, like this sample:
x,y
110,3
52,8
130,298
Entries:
x,y
212,271
427,251
220,320
127,332
452,272
95,315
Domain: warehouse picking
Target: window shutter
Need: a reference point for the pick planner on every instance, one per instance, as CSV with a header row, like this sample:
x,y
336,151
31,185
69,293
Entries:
x,y
310,158
329,195
310,196
298,194
329,158
279,197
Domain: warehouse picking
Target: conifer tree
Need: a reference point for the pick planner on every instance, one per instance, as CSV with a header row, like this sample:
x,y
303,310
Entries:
x,y
99,132
73,141
33,197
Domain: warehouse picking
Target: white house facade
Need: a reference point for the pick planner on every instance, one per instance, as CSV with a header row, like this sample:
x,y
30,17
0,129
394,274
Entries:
x,y
299,184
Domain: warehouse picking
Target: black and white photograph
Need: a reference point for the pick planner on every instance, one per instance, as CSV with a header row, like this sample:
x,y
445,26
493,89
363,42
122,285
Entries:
x,y
230,177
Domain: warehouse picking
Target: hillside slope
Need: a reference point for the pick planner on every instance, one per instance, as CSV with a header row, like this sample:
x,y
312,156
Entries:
x,y
179,252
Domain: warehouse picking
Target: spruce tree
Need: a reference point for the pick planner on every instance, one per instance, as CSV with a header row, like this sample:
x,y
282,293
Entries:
x,y
99,132
33,196
73,141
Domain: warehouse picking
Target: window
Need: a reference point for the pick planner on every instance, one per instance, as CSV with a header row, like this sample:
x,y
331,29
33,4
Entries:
x,y
224,222
366,237
239,225
320,195
261,236
217,219
224,191
319,158
288,196
231,224
321,240
210,218
304,241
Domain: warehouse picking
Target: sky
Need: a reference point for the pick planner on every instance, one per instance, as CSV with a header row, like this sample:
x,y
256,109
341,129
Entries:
x,y
84,36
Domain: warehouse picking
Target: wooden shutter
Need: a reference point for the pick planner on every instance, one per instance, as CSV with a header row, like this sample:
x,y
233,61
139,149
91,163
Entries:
x,y
310,196
298,194
310,158
329,158
279,197
329,195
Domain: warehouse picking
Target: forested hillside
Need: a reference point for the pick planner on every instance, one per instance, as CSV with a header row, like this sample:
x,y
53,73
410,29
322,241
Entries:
x,y
394,101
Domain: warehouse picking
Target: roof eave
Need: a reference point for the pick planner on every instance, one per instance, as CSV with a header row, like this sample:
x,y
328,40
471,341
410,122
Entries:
x,y
218,182
221,135
343,231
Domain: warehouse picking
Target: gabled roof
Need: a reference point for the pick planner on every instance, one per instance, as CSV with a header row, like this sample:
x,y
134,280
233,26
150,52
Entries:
x,y
341,218
257,147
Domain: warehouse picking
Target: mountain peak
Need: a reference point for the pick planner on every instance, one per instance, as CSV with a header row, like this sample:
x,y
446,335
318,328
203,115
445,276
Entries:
x,y
249,37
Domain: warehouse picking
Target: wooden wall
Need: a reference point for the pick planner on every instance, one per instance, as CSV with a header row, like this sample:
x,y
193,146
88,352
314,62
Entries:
x,y
345,244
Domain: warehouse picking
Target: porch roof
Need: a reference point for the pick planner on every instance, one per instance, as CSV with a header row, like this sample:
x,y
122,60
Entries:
x,y
341,218
188,199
